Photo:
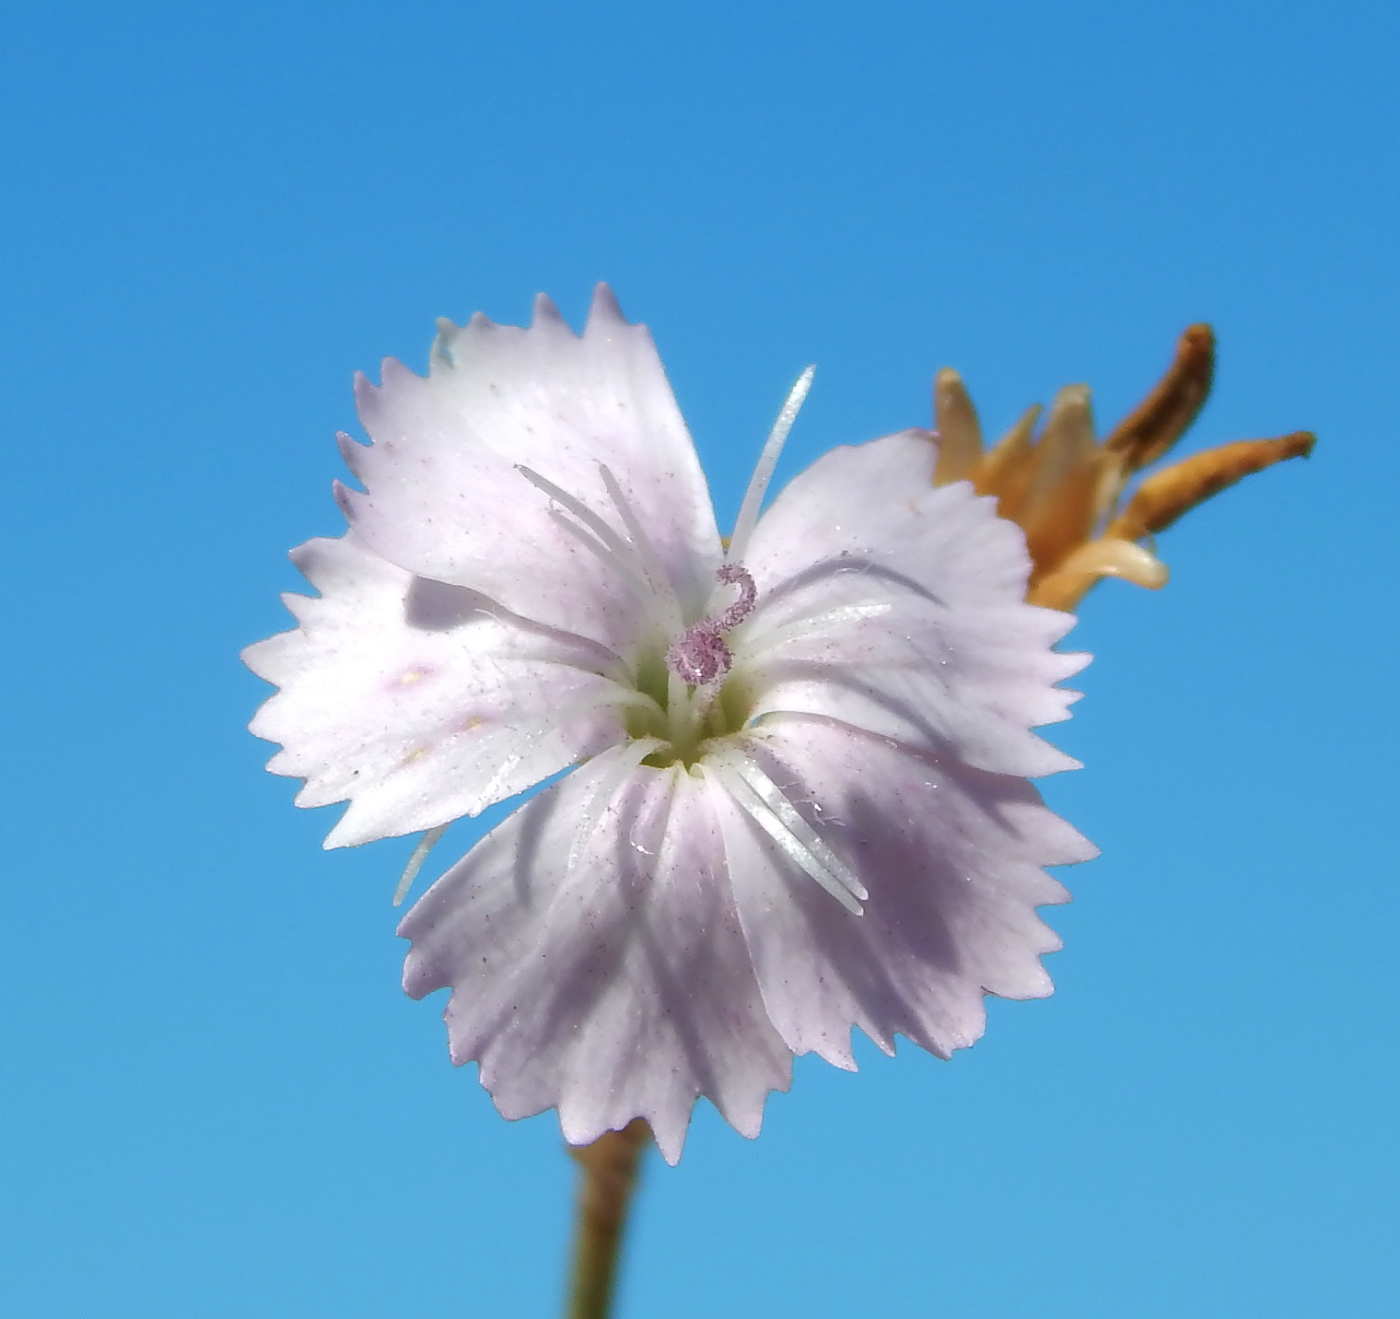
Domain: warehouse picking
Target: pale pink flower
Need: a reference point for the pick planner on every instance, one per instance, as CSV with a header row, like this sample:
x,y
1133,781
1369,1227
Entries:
x,y
797,797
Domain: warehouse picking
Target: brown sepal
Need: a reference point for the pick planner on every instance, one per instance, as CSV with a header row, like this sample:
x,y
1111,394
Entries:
x,y
1167,495
1161,419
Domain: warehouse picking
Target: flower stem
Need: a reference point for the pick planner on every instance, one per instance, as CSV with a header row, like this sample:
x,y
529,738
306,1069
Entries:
x,y
607,1176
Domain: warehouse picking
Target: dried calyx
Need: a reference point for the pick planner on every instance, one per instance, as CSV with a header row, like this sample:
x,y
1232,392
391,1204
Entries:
x,y
1069,492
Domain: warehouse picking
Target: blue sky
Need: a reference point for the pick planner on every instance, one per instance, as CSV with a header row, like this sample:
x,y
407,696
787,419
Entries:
x,y
215,1100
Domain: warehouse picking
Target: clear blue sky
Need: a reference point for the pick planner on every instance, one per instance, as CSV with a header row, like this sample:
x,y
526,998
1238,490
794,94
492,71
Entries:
x,y
215,1102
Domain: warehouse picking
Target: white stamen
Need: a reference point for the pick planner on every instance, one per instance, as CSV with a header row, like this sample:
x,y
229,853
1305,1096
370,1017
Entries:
x,y
651,563
617,544
757,642
774,798
680,709
606,556
628,757
743,797
415,862
763,472
760,798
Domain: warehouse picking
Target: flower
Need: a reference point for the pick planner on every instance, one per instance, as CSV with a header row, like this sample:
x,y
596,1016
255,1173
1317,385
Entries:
x,y
797,797
1066,491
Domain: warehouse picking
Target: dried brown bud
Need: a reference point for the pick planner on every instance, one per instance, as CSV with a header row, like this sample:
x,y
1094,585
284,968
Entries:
x,y
1066,490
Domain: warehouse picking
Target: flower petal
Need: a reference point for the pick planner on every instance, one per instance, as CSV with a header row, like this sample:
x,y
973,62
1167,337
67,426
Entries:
x,y
446,498
951,858
898,607
420,702
615,988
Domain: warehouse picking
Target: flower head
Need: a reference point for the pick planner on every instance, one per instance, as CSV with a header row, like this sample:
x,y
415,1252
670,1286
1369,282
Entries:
x,y
797,800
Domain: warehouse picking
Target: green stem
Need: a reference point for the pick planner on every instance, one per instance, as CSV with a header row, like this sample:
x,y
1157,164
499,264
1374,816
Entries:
x,y
607,1177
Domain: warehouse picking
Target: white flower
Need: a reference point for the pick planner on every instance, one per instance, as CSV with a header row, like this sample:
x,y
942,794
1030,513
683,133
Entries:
x,y
798,799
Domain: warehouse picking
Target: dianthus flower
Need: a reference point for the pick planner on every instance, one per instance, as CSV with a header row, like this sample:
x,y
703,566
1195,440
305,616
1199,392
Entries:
x,y
796,799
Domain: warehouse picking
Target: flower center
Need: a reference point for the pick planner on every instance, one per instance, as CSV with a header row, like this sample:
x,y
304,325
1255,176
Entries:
x,y
691,697
677,701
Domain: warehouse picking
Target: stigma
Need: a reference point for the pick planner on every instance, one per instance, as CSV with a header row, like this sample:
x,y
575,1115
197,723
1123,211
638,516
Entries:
x,y
700,655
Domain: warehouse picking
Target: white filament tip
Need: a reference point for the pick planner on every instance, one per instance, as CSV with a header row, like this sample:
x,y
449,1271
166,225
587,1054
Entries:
x,y
415,862
767,461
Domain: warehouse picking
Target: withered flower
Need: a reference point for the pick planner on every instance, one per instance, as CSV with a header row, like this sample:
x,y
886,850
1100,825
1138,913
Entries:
x,y
1069,492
